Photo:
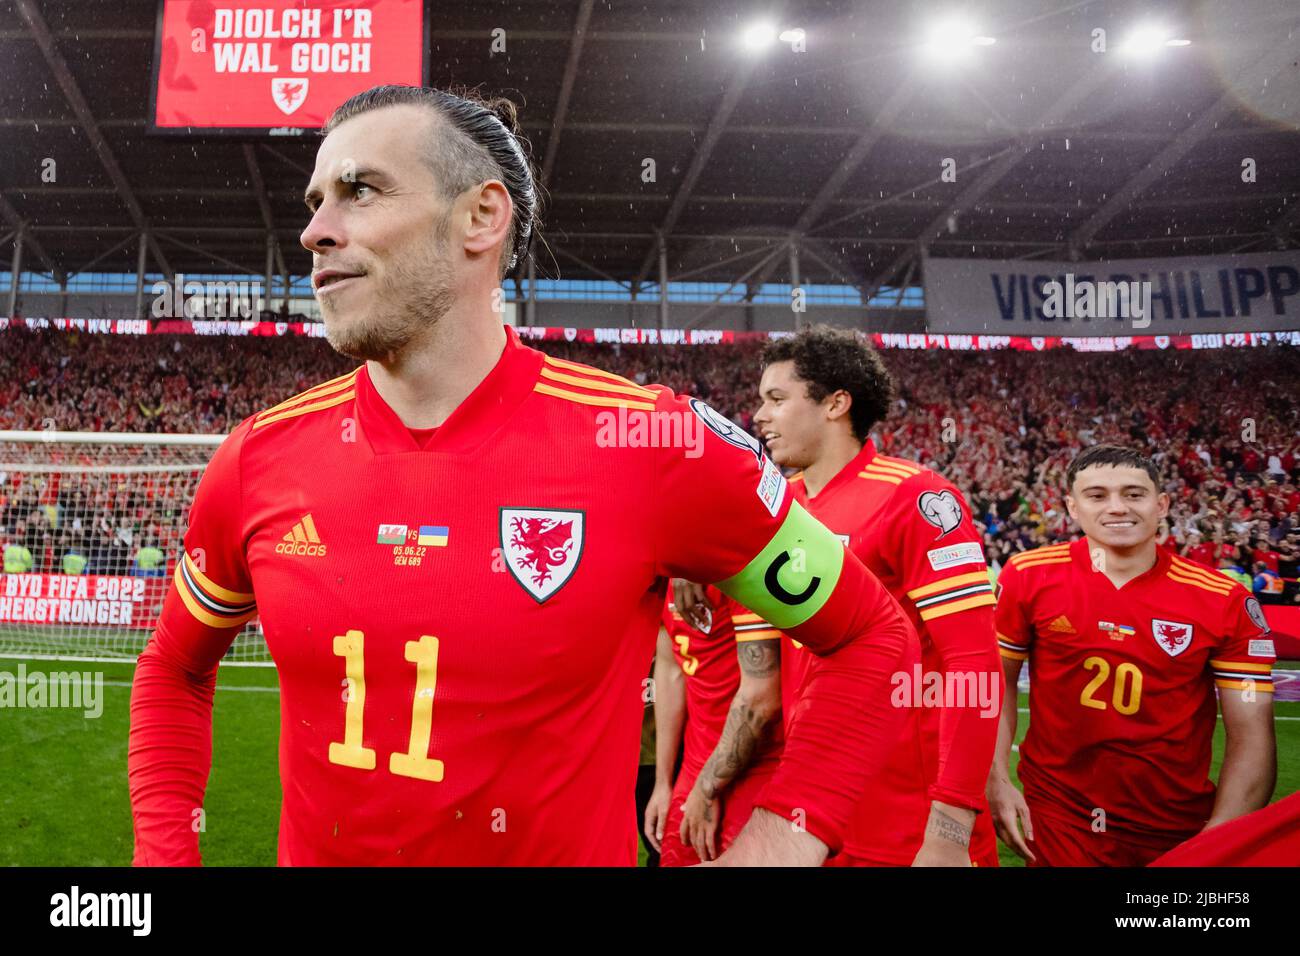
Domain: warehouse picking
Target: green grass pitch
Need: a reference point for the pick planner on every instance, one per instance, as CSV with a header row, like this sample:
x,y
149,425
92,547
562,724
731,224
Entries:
x,y
63,793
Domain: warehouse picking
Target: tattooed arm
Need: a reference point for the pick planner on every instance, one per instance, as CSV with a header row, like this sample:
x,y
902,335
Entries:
x,y
756,703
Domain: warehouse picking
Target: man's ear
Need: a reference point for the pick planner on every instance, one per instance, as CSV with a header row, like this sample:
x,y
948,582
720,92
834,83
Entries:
x,y
489,211
838,404
1162,500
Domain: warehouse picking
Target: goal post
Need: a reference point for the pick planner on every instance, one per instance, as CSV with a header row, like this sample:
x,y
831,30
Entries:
x,y
91,527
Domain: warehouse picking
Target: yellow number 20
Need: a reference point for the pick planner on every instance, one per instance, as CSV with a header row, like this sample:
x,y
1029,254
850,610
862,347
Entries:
x,y
1126,695
350,752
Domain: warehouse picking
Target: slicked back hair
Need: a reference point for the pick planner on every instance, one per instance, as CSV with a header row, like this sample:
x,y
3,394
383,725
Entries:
x,y
1115,456
476,140
828,360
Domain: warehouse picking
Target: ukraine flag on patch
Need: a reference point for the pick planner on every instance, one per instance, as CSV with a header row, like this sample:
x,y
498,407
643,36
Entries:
x,y
434,535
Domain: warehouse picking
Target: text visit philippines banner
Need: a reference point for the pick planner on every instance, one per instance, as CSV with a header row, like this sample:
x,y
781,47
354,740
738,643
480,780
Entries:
x,y
1253,292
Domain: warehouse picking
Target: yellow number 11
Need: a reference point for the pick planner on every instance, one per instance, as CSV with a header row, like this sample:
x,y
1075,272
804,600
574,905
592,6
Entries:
x,y
416,762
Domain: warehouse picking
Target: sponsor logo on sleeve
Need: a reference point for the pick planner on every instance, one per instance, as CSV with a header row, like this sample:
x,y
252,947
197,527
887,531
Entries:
x,y
968,552
941,509
1262,648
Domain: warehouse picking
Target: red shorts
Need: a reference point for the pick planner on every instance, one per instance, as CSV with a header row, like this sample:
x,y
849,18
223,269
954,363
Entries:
x,y
1060,842
736,805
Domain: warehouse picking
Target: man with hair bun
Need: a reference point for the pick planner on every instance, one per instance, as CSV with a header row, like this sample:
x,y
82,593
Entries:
x,y
458,582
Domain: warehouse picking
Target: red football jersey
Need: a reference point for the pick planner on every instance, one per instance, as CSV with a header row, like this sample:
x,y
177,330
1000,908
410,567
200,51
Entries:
x,y
709,662
461,629
1122,706
913,529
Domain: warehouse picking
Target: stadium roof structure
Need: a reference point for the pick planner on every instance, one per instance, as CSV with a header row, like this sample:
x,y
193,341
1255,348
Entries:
x,y
827,162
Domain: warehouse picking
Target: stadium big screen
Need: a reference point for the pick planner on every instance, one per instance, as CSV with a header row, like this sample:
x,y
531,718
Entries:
x,y
280,65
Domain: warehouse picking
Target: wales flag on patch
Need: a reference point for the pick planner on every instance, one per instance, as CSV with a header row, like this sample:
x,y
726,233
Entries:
x,y
392,534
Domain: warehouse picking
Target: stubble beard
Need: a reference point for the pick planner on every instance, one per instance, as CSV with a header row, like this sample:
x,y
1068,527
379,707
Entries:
x,y
419,292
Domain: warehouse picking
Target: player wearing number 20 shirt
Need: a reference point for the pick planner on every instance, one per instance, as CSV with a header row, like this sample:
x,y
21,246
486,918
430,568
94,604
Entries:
x,y
1124,663
460,661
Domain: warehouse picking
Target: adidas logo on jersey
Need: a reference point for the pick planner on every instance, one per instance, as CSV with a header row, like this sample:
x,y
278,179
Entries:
x,y
302,540
1062,625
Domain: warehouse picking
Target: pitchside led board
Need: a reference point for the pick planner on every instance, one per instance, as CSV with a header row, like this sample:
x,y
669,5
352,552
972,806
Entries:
x,y
278,67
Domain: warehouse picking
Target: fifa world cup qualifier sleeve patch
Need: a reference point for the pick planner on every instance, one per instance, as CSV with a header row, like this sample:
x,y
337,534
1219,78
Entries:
x,y
771,483
1256,614
941,509
792,577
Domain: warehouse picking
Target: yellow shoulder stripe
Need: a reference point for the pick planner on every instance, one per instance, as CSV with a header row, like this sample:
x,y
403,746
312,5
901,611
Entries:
x,y
316,391
306,409
890,480
1197,584
1040,554
1196,571
566,365
1212,578
1038,562
635,390
1213,581
885,468
887,461
592,399
1044,550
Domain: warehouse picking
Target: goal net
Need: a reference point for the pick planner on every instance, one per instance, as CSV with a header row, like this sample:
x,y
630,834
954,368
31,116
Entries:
x,y
91,527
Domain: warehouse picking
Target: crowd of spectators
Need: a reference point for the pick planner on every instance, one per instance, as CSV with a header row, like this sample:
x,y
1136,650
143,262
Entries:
x,y
1223,426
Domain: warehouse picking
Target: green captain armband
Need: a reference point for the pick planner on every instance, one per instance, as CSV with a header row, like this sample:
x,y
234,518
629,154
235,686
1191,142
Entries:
x,y
791,578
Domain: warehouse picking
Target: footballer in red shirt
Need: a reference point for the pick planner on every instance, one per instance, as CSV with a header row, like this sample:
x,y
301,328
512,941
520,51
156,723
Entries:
x,y
729,666
1126,645
429,602
822,391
